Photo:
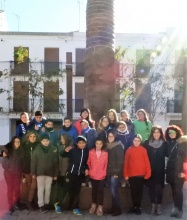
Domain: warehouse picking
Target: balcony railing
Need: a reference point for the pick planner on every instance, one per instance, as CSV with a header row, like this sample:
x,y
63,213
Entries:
x,y
46,105
174,106
55,68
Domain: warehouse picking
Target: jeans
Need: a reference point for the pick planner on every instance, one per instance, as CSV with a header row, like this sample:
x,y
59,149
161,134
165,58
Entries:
x,y
114,188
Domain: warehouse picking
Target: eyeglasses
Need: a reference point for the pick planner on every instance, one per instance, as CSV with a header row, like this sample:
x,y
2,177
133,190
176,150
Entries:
x,y
171,132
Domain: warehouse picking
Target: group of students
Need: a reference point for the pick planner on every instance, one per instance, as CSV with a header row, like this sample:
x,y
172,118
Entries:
x,y
117,151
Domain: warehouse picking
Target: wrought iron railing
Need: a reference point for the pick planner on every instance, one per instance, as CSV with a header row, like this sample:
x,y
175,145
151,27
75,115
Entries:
x,y
174,106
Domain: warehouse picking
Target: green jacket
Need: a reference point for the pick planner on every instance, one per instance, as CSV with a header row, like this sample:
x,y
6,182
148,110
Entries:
x,y
45,161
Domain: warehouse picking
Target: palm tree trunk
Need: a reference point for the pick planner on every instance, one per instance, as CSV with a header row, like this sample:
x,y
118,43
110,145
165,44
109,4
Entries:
x,y
99,65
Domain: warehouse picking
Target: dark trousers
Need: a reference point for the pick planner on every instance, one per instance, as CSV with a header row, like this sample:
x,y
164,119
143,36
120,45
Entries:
x,y
62,189
177,193
136,188
97,191
74,188
13,182
156,193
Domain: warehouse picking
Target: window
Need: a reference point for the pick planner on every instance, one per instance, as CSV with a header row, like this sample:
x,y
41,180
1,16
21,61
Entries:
x,y
51,57
80,54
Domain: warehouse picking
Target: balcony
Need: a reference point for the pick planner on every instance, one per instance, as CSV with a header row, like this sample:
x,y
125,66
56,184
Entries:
x,y
57,106
174,106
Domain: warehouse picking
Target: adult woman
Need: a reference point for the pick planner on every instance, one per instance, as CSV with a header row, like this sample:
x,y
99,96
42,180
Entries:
x,y
114,169
175,176
113,118
103,128
156,149
29,145
12,172
85,114
142,125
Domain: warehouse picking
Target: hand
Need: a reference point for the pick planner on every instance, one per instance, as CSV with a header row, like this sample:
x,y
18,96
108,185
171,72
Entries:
x,y
68,149
33,176
43,129
115,176
55,178
181,175
5,154
86,172
36,127
127,178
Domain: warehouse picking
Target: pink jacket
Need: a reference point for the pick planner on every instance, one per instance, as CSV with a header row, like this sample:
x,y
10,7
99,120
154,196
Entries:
x,y
97,166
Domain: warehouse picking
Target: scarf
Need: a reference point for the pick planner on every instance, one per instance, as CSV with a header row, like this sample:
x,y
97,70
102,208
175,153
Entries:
x,y
86,130
156,143
66,128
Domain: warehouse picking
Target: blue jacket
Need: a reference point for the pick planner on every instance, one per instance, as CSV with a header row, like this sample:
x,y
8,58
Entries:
x,y
72,131
91,136
126,138
21,130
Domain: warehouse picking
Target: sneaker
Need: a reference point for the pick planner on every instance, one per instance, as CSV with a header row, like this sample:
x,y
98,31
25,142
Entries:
x,y
42,209
77,212
58,208
132,210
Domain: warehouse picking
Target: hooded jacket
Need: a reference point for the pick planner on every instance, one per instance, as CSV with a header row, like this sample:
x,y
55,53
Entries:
x,y
97,166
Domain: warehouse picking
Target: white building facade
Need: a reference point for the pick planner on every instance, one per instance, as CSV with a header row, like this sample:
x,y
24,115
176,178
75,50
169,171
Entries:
x,y
49,52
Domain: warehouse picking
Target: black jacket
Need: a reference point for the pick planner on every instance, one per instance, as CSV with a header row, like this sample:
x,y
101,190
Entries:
x,y
157,161
28,149
177,154
77,160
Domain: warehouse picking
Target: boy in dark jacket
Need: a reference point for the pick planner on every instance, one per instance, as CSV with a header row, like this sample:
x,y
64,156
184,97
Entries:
x,y
77,169
44,167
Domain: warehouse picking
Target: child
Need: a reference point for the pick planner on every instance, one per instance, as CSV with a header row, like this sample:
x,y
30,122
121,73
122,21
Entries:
x,y
97,163
49,130
85,114
76,170
126,118
44,167
113,118
38,122
89,133
136,169
103,128
69,129
12,172
65,141
22,128
124,135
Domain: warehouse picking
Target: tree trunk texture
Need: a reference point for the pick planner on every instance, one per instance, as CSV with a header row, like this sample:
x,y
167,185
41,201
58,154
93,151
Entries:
x,y
99,65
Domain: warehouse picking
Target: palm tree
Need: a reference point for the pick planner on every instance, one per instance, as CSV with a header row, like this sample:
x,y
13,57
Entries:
x,y
99,65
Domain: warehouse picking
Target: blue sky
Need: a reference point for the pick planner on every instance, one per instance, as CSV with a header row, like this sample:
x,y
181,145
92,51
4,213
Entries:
x,y
135,16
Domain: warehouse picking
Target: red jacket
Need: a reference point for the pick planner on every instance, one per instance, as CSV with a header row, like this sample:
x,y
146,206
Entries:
x,y
97,166
137,163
